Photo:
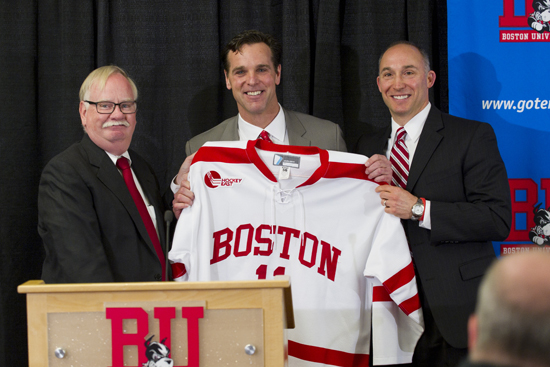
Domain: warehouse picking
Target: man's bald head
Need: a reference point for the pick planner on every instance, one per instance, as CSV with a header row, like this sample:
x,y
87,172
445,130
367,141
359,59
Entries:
x,y
512,320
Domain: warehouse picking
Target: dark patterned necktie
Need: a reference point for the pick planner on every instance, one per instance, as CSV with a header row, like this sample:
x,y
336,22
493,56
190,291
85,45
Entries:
x,y
399,158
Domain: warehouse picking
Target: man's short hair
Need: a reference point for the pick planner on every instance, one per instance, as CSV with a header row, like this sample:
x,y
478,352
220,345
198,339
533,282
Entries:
x,y
510,327
100,76
251,37
423,52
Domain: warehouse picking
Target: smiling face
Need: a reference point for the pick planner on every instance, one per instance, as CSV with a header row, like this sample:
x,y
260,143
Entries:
x,y
404,82
111,132
252,78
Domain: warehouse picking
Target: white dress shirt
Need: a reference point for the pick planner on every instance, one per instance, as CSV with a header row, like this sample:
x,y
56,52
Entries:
x,y
276,129
150,208
413,128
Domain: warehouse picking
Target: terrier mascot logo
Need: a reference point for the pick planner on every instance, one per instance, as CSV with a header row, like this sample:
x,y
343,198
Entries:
x,y
540,18
540,233
157,354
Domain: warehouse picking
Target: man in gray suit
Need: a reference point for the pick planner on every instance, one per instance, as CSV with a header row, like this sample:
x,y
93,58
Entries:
x,y
252,68
455,200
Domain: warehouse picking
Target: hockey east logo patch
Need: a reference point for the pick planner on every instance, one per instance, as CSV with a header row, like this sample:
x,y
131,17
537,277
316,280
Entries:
x,y
213,179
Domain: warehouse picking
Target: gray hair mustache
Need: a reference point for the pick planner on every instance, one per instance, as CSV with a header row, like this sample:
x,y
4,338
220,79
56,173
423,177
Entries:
x,y
116,123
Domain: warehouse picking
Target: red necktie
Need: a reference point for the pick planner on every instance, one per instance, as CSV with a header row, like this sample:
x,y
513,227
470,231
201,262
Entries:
x,y
399,159
264,135
123,164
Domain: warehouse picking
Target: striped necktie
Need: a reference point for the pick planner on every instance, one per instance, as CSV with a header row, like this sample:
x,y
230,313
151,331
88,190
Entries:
x,y
399,158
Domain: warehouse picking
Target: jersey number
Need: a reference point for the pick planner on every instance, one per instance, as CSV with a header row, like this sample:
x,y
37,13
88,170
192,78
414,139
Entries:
x,y
261,272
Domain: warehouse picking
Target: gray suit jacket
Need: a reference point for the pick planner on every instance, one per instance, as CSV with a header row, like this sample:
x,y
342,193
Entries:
x,y
457,166
91,228
303,130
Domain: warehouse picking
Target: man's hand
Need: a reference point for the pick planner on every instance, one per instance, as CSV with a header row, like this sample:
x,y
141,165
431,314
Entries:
x,y
379,168
184,169
184,197
397,201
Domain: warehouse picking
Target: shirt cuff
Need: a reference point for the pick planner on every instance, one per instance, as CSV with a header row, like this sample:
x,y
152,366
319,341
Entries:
x,y
174,186
426,223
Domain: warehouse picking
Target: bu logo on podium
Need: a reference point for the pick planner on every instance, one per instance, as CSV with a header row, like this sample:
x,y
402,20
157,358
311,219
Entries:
x,y
150,353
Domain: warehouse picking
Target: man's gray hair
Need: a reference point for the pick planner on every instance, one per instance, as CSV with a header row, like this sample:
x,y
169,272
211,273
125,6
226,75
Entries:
x,y
100,76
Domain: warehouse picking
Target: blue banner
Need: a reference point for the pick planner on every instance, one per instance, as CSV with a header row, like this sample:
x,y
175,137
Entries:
x,y
499,64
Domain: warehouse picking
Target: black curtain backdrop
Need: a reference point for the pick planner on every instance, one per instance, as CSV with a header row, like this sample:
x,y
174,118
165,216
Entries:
x,y
171,49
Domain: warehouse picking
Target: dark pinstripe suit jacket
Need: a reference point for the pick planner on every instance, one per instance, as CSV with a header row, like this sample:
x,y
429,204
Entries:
x,y
457,166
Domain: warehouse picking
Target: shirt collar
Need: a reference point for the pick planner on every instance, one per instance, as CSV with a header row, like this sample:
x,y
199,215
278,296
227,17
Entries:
x,y
276,128
114,158
413,127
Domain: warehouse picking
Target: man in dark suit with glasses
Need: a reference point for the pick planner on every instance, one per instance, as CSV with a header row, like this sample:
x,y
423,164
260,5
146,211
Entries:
x,y
100,213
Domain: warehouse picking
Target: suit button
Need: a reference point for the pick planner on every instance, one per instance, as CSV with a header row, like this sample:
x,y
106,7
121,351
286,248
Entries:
x,y
158,277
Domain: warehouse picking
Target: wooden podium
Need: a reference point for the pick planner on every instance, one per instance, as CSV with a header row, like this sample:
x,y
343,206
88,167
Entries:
x,y
116,324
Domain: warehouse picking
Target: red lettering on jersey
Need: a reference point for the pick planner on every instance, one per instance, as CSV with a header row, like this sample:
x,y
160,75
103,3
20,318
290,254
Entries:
x,y
263,240
308,237
220,245
287,232
248,247
245,236
328,263
261,271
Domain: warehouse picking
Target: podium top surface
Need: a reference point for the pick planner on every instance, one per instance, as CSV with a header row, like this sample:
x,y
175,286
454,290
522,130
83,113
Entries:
x,y
38,286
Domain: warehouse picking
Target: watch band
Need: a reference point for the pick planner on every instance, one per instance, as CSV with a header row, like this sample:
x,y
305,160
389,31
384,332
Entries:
x,y
420,204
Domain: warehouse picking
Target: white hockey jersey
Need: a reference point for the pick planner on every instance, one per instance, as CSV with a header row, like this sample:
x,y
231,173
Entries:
x,y
262,210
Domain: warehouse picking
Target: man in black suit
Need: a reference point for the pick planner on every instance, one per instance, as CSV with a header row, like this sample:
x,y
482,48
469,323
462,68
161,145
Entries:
x,y
89,222
456,201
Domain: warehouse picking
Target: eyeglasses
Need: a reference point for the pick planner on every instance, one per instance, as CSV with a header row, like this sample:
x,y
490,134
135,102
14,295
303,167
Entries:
x,y
127,107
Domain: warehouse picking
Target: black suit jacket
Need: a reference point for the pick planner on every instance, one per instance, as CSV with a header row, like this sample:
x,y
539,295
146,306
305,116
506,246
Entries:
x,y
90,226
457,166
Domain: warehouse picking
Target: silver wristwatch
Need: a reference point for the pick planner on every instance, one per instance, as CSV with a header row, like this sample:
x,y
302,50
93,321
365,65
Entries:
x,y
417,209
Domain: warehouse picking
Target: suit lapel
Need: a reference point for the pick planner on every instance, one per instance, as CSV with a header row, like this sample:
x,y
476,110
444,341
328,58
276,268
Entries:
x,y
149,187
231,132
108,174
295,129
380,141
427,144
